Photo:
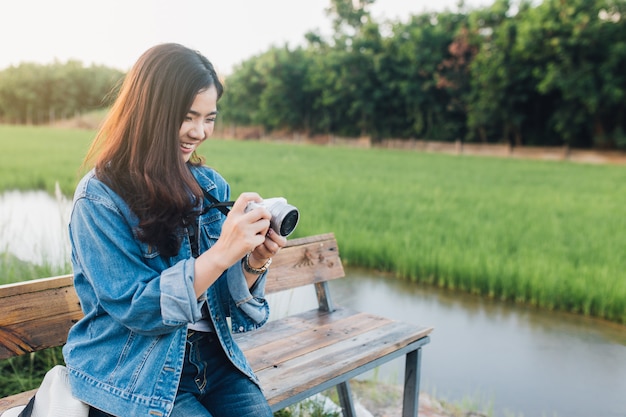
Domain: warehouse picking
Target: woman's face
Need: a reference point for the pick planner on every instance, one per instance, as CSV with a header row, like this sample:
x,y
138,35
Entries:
x,y
199,122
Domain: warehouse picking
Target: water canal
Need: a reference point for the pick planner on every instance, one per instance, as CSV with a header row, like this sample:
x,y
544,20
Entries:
x,y
514,360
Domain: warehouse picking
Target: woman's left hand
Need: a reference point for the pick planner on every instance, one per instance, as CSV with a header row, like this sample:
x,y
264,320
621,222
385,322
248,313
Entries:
x,y
268,249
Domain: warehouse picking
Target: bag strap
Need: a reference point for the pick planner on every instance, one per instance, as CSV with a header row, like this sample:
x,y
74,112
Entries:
x,y
28,410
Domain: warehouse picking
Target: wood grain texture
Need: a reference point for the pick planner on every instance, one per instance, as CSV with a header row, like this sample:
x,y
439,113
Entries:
x,y
303,351
305,261
37,318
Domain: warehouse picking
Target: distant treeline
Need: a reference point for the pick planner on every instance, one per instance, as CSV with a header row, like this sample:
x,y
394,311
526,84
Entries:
x,y
521,72
33,93
546,74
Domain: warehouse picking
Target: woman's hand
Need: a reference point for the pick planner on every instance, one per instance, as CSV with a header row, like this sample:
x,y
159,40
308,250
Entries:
x,y
262,253
269,248
242,232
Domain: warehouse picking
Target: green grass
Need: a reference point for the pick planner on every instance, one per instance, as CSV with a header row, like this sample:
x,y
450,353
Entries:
x,y
548,234
541,233
34,158
25,372
12,268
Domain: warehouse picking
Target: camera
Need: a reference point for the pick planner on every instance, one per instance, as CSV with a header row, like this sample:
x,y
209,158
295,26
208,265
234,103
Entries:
x,y
284,216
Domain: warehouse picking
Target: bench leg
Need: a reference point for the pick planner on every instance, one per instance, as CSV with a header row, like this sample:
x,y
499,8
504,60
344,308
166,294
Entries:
x,y
345,399
410,404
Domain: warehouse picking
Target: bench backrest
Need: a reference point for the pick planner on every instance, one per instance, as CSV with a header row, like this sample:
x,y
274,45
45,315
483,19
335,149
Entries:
x,y
37,314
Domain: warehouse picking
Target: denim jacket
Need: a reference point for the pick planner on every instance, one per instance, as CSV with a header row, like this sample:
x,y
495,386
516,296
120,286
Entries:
x,y
125,356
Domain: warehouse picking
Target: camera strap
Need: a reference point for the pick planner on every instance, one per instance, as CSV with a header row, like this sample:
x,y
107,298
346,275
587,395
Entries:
x,y
222,206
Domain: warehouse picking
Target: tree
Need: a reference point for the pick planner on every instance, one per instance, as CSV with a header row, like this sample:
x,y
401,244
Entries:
x,y
579,51
34,93
285,101
504,103
410,70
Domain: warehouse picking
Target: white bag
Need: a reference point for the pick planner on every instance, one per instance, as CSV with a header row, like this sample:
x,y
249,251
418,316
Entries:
x,y
53,399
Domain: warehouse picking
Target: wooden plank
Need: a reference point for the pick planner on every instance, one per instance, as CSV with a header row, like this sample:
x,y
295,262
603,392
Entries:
x,y
15,400
283,327
305,261
35,285
310,239
37,318
36,305
289,378
301,343
349,353
332,382
36,335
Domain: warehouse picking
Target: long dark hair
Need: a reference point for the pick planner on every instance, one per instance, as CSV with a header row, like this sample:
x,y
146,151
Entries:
x,y
136,152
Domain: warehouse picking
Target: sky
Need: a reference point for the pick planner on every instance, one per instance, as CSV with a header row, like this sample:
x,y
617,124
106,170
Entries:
x,y
116,32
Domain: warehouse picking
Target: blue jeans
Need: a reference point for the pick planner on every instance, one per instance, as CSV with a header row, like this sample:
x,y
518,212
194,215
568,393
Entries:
x,y
210,386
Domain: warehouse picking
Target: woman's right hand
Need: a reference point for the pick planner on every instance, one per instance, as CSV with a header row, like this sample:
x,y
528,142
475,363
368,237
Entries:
x,y
241,233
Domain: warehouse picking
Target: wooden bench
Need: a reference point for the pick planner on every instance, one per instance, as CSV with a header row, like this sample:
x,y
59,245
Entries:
x,y
294,357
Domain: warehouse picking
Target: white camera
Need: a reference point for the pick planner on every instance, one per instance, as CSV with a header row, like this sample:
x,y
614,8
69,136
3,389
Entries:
x,y
284,216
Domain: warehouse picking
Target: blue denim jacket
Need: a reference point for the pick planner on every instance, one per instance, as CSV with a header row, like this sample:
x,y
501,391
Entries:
x,y
126,355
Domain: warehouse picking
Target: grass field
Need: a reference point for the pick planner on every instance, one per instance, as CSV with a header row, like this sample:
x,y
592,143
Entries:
x,y
37,157
548,234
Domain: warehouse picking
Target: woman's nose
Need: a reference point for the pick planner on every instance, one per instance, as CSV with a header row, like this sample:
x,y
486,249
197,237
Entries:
x,y
198,132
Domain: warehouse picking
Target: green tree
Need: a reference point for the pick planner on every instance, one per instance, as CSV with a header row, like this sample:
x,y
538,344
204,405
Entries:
x,y
285,102
35,93
241,102
271,90
578,49
410,70
504,103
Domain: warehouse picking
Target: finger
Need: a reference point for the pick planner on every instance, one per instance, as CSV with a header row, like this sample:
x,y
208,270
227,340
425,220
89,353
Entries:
x,y
259,226
244,199
272,247
279,240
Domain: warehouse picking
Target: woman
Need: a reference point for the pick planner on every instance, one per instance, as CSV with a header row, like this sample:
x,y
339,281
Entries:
x,y
157,270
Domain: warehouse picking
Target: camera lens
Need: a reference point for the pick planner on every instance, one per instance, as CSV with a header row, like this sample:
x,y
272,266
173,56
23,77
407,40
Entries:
x,y
290,220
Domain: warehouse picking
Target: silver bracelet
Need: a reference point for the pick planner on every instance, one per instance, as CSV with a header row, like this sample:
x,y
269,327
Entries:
x,y
257,271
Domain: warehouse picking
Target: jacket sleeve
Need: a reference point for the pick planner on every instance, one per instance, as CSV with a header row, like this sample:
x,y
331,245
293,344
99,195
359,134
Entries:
x,y
117,267
249,309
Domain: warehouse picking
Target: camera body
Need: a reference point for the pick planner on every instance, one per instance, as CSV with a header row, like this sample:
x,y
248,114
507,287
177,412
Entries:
x,y
284,216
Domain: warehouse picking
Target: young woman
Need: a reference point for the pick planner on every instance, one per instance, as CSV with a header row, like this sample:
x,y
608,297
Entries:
x,y
157,270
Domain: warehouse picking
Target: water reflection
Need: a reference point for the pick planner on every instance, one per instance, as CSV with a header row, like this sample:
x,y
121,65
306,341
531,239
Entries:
x,y
519,359
33,226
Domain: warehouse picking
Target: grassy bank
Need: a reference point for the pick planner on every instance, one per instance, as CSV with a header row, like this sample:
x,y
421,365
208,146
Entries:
x,y
542,233
34,158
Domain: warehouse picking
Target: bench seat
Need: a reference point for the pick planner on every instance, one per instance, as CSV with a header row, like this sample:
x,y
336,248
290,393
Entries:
x,y
304,354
